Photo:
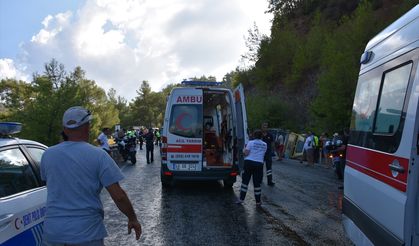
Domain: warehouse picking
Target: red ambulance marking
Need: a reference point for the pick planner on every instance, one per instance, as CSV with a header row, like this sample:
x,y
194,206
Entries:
x,y
376,164
185,148
180,119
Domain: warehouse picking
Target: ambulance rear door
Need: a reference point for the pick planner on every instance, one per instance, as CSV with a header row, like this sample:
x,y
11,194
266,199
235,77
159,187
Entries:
x,y
184,133
242,135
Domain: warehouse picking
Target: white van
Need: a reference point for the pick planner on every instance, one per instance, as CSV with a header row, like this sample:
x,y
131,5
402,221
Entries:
x,y
204,132
381,200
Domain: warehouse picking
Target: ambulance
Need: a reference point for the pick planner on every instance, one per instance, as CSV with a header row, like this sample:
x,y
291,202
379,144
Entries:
x,y
381,200
204,132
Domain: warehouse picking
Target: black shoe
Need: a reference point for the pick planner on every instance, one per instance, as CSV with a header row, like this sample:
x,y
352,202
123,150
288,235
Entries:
x,y
271,183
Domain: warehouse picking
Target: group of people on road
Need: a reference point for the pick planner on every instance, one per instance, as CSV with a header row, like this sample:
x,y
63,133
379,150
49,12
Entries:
x,y
149,136
75,172
315,148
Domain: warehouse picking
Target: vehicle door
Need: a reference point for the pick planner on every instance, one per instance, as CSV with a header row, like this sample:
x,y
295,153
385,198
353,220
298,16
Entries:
x,y
412,203
242,136
185,130
22,199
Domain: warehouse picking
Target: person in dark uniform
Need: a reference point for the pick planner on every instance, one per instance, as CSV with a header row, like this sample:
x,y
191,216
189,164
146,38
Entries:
x,y
149,146
141,138
269,140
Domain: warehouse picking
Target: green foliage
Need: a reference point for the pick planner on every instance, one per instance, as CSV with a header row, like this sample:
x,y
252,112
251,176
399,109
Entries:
x,y
148,107
310,63
41,104
267,108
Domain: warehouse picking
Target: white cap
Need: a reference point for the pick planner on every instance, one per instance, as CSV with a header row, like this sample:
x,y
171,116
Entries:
x,y
76,116
336,134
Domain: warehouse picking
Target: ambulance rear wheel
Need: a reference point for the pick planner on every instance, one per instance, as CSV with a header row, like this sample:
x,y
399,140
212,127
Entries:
x,y
228,183
165,182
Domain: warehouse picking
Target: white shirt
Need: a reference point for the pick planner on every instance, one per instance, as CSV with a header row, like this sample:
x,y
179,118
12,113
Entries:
x,y
308,144
280,139
103,141
257,150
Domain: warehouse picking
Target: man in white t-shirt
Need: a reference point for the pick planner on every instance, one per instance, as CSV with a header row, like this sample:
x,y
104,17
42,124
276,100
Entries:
x,y
309,148
103,139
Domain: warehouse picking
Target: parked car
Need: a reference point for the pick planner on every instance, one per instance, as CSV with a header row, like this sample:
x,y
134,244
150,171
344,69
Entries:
x,y
22,193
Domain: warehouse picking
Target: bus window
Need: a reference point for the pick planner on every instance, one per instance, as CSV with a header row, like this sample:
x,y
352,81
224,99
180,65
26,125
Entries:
x,y
186,120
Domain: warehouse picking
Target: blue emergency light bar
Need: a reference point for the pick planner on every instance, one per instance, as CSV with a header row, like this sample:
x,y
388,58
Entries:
x,y
201,83
8,128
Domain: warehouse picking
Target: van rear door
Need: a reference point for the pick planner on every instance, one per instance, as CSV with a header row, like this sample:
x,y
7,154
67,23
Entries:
x,y
184,133
241,126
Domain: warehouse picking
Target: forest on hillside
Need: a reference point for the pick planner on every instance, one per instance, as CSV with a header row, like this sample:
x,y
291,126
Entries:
x,y
301,77
304,75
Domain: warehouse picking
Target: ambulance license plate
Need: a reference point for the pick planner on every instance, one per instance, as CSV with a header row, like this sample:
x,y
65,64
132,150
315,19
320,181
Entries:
x,y
186,167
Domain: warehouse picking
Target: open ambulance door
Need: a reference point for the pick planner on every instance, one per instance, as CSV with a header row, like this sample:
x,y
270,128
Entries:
x,y
242,136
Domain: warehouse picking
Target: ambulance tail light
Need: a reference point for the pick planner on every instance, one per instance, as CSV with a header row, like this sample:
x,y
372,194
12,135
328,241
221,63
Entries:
x,y
233,174
167,173
164,149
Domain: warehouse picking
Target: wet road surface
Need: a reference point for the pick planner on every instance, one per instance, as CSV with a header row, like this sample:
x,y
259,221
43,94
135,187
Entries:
x,y
302,209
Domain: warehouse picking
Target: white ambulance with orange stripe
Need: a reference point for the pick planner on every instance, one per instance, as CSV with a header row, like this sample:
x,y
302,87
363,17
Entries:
x,y
381,200
204,131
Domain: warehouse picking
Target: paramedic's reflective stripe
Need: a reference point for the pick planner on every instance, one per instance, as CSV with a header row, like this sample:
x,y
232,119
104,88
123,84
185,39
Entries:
x,y
269,172
244,188
30,237
258,190
185,148
375,164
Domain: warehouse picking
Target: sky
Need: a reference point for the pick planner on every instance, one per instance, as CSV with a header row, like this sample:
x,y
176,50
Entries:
x,y
120,43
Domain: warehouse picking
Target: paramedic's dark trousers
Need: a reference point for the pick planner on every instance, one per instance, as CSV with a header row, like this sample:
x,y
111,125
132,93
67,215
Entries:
x,y
268,162
255,170
149,152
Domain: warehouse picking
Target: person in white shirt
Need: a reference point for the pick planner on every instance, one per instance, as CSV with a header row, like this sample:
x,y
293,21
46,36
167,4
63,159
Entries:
x,y
309,148
103,139
253,166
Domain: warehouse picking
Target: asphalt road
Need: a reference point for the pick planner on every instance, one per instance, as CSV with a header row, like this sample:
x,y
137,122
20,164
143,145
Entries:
x,y
303,208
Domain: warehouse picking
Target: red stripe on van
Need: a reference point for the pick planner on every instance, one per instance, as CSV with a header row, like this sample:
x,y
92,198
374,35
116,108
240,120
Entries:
x,y
376,164
184,148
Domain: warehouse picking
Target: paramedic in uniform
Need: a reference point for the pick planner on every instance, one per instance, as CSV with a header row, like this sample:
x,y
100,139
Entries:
x,y
75,173
268,139
253,166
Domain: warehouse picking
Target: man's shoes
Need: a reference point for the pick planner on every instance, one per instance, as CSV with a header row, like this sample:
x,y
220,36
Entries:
x,y
271,183
148,162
